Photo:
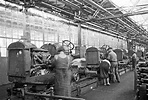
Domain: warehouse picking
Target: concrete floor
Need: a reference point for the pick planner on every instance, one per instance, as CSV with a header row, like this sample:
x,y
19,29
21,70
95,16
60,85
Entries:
x,y
116,91
3,91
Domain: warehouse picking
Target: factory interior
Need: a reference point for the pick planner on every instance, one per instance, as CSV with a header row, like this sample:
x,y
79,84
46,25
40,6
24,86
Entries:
x,y
73,49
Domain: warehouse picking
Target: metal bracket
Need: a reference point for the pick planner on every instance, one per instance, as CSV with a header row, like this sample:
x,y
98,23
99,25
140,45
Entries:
x,y
96,13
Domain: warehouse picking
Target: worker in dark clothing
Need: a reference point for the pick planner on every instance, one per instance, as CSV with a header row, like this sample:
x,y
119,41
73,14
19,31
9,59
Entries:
x,y
112,57
62,73
134,60
104,71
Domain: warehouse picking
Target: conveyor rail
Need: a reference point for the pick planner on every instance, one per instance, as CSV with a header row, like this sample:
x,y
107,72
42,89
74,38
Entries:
x,y
53,96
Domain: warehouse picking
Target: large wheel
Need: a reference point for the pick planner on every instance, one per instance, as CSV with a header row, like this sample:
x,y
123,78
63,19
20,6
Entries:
x,y
68,44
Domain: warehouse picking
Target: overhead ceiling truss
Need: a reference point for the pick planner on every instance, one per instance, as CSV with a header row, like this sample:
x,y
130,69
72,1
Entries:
x,y
100,13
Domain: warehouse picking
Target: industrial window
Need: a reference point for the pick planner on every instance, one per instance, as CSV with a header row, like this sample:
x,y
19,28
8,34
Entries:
x,y
74,35
2,31
10,29
13,24
36,35
37,43
9,41
3,43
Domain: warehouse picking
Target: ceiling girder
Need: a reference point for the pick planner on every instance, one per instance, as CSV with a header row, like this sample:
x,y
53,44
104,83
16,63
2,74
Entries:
x,y
95,10
49,5
119,16
96,15
100,7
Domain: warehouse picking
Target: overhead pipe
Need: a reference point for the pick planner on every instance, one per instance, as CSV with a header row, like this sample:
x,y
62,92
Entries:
x,y
133,23
73,5
98,27
122,21
98,6
140,28
94,11
47,4
70,3
97,15
84,5
82,19
44,3
123,15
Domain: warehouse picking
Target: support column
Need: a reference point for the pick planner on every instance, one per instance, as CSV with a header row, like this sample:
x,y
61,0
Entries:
x,y
26,29
129,47
78,48
79,34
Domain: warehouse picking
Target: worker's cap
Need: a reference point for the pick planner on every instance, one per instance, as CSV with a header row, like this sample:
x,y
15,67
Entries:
x,y
61,48
109,48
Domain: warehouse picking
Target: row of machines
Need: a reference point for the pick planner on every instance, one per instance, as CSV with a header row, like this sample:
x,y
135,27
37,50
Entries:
x,y
123,59
141,81
123,56
30,70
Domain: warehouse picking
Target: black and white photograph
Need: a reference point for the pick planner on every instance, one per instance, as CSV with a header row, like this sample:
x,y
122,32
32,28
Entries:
x,y
73,49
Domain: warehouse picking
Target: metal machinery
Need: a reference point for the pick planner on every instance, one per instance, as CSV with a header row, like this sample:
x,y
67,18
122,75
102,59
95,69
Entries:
x,y
123,60
125,54
141,81
85,71
140,54
92,58
30,70
31,66
130,53
103,50
89,65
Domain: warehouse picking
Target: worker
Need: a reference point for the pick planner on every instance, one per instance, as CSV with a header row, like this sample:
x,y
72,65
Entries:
x,y
112,57
104,71
134,60
62,72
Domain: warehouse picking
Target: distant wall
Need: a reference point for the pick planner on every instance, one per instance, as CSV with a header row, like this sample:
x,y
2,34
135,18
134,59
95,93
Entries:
x,y
15,24
3,71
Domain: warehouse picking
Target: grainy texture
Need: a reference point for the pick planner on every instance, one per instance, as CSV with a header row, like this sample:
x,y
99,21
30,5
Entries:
x,y
117,91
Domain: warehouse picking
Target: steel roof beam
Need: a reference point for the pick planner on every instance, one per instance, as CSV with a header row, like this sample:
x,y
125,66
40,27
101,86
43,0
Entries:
x,y
123,15
97,15
98,6
73,5
47,4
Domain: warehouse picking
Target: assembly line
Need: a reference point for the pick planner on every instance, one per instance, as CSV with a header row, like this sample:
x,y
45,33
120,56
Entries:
x,y
73,50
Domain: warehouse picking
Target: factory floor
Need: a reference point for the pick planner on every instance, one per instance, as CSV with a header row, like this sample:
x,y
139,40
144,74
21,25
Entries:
x,y
3,91
116,91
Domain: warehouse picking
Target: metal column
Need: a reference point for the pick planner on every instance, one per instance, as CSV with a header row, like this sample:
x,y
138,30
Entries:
x,y
79,39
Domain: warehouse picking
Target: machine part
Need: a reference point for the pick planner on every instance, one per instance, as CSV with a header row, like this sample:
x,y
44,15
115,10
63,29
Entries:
x,y
92,56
69,44
52,97
50,47
31,66
76,77
78,91
9,92
17,92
